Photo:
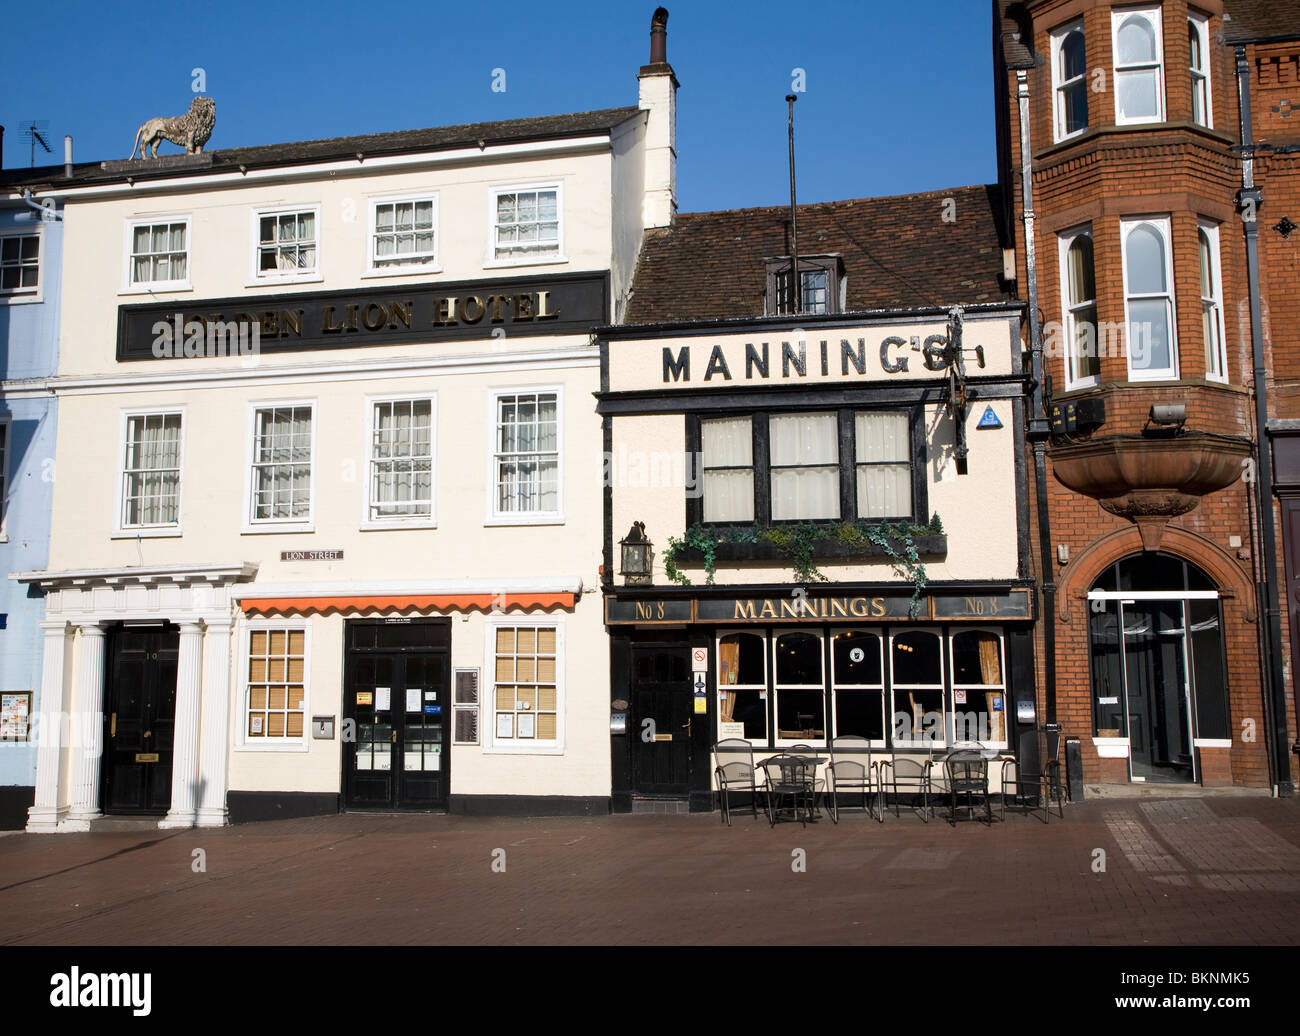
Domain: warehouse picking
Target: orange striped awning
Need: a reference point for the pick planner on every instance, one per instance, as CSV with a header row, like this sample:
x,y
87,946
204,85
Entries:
x,y
387,605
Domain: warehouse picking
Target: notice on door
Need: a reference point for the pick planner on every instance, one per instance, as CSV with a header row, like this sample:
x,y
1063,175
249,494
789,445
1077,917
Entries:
x,y
413,699
383,699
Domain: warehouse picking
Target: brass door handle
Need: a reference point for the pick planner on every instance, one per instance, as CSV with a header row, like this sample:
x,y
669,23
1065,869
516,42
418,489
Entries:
x,y
394,737
687,727
148,733
112,726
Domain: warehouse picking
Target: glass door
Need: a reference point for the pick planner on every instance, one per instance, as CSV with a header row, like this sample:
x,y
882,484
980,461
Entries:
x,y
1157,690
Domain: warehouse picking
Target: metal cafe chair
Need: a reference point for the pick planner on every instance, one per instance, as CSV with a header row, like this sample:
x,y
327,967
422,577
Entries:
x,y
851,770
819,785
910,774
1037,773
789,780
968,774
734,768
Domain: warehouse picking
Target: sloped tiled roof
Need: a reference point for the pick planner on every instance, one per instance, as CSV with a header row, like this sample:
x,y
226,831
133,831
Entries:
x,y
898,253
1252,21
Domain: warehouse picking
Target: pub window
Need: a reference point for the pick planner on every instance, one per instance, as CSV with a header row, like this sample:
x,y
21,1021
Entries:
x,y
742,686
800,689
276,698
526,688
1079,290
1069,80
1139,65
978,688
281,470
403,233
916,671
151,471
158,254
858,690
821,284
286,246
20,266
1149,299
401,462
1198,39
801,467
526,224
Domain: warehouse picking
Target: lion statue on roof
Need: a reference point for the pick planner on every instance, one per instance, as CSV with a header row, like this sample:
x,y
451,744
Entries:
x,y
191,130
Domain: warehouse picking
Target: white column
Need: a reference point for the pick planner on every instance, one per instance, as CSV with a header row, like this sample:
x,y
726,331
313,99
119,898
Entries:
x,y
216,723
185,736
88,727
51,803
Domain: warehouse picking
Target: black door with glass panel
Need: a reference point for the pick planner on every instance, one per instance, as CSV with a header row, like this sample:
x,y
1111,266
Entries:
x,y
662,720
396,712
139,719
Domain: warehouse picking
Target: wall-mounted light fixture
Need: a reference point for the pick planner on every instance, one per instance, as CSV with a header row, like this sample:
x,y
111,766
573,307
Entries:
x,y
637,556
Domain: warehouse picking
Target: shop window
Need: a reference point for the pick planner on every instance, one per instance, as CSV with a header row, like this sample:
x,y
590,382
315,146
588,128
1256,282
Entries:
x,y
808,467
916,671
1139,73
1216,360
277,685
151,471
1069,80
1079,290
526,685
401,462
1149,300
742,686
978,688
858,691
821,284
1198,40
800,689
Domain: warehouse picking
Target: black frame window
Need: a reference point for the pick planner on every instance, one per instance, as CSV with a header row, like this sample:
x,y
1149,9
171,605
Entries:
x,y
821,283
825,466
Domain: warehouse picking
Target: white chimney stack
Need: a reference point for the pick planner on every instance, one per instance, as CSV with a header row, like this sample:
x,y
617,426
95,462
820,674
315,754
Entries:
x,y
658,97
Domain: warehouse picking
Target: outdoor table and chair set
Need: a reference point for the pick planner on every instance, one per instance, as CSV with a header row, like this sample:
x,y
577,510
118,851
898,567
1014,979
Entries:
x,y
789,787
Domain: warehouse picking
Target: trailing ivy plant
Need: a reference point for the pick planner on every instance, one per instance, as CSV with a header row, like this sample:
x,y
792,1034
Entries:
x,y
796,542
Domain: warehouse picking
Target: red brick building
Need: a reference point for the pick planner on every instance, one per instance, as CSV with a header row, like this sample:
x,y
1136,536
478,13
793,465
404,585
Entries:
x,y
1162,283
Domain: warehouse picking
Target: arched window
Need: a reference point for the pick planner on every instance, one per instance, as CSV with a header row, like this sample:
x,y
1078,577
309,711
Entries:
x,y
1207,237
1069,77
1198,39
1079,290
1139,86
1149,300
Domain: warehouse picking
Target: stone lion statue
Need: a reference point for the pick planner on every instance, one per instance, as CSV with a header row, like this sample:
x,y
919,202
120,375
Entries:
x,y
191,130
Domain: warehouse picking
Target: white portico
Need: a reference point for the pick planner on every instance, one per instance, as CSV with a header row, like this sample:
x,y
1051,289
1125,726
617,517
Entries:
x,y
84,609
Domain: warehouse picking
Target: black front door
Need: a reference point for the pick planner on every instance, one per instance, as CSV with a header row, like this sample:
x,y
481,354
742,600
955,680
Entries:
x,y
396,709
661,720
139,718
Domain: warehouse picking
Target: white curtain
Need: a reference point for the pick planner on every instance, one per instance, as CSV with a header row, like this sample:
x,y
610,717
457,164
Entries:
x,y
153,469
728,495
805,466
884,467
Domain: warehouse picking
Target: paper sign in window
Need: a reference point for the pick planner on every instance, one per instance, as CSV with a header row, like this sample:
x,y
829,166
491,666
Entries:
x,y
383,698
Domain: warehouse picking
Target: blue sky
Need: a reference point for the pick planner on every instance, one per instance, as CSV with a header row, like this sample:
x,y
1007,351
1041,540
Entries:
x,y
899,96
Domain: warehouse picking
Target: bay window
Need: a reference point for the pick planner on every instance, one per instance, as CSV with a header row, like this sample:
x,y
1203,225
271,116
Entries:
x,y
1079,309
1069,81
1139,66
1149,299
1216,361
1198,39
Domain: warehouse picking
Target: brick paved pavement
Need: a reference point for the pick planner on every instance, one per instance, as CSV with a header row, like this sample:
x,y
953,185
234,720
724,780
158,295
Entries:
x,y
1184,871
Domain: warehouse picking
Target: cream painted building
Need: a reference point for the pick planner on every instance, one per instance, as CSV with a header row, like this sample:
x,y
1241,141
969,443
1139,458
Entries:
x,y
328,495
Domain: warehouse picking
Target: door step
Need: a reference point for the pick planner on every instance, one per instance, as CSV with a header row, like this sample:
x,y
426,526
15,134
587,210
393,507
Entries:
x,y
124,825
645,805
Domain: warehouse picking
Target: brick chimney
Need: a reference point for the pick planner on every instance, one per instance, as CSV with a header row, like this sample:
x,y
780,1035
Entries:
x,y
658,97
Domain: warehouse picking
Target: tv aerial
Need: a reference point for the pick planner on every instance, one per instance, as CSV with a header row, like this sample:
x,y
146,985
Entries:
x,y
37,131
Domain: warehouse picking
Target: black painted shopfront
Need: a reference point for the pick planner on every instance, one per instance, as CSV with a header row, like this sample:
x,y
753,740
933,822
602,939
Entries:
x,y
693,666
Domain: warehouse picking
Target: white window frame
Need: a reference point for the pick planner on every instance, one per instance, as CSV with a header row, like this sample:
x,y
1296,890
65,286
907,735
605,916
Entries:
x,y
242,741
495,517
774,711
882,643
1126,226
371,267
914,743
1117,18
762,690
1211,231
132,287
1065,240
951,718
256,276
1201,23
120,529
542,260
1058,85
19,296
488,726
401,522
269,525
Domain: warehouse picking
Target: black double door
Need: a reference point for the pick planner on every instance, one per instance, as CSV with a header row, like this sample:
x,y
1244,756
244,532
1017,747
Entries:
x,y
139,719
663,726
396,711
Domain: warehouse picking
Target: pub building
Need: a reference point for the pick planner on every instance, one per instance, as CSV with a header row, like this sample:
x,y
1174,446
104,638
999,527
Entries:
x,y
342,559
771,470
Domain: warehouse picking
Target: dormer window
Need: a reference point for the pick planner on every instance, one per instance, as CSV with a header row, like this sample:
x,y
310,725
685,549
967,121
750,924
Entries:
x,y
821,285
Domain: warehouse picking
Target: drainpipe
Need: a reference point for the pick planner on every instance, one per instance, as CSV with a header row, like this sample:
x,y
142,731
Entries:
x,y
1266,587
1039,428
47,211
